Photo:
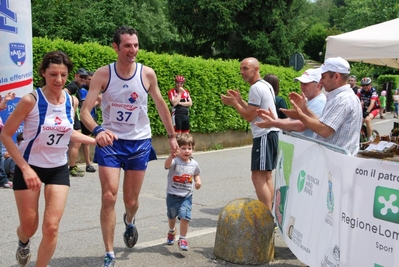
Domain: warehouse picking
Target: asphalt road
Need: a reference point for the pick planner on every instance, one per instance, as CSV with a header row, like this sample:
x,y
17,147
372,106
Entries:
x,y
225,177
384,126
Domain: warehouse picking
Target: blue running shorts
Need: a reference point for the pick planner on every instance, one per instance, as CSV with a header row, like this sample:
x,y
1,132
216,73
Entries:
x,y
126,154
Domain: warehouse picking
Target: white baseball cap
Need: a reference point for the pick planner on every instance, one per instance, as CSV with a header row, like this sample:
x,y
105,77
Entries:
x,y
335,64
310,75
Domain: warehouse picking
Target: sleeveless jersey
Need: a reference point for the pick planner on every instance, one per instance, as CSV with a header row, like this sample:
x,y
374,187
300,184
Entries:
x,y
47,132
367,96
124,106
185,97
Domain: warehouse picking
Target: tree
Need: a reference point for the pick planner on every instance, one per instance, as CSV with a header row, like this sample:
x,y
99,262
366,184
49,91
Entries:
x,y
319,12
316,41
268,30
358,14
363,13
95,21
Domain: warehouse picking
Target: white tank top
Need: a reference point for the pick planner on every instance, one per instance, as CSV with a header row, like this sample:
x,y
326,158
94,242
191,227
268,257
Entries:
x,y
124,106
47,132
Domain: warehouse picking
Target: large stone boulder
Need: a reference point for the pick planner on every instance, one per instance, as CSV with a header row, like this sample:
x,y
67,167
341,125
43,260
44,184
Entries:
x,y
245,233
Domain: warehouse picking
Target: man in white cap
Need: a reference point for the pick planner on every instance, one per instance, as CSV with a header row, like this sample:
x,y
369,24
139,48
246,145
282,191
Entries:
x,y
316,100
341,119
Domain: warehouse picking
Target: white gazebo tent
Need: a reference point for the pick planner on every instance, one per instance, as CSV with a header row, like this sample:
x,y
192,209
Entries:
x,y
377,44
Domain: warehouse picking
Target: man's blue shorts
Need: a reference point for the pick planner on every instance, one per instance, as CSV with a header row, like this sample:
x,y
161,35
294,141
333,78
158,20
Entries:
x,y
126,154
179,206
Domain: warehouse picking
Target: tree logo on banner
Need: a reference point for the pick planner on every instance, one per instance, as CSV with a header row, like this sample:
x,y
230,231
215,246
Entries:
x,y
386,204
301,180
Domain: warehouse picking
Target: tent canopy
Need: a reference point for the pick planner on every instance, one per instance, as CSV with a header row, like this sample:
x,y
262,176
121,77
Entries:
x,y
377,44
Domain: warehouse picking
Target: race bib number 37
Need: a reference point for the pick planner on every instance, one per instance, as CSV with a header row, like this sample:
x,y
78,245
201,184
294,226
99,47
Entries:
x,y
124,113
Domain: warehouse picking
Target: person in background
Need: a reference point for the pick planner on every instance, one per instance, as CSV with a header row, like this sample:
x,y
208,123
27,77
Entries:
x,y
341,119
353,85
9,163
396,102
125,85
4,181
265,140
73,88
183,176
371,108
315,100
280,102
81,96
383,103
180,100
41,158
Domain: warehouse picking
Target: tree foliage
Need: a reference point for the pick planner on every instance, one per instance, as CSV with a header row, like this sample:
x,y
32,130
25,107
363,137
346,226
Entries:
x,y
319,12
95,21
268,30
316,41
227,29
363,13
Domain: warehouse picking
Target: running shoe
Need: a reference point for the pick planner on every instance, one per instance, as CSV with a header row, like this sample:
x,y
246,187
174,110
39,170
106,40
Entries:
x,y
109,261
183,245
130,235
7,185
79,169
171,237
75,171
23,254
90,168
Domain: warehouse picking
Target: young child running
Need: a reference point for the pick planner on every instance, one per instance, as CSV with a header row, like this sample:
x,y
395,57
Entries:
x,y
183,174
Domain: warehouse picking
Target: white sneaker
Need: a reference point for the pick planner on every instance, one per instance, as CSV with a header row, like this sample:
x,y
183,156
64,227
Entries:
x,y
23,254
7,185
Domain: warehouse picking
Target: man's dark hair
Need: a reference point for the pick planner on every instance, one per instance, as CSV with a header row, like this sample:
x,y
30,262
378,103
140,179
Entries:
x,y
344,76
123,30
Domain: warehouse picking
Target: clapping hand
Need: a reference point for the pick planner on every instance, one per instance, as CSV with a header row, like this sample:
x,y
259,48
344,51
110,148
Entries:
x,y
231,97
9,96
267,116
294,113
299,103
299,100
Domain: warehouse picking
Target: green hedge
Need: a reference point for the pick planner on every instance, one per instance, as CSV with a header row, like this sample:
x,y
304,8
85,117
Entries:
x,y
205,79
